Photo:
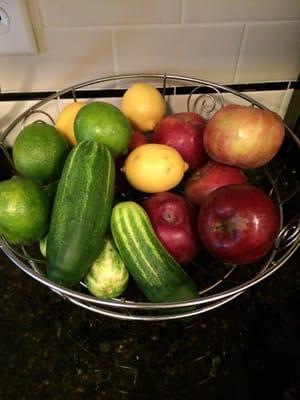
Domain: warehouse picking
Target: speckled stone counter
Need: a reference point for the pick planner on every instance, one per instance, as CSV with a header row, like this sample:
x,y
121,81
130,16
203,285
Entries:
x,y
247,349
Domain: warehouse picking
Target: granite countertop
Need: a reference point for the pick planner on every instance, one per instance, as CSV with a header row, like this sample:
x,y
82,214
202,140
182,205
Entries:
x,y
247,349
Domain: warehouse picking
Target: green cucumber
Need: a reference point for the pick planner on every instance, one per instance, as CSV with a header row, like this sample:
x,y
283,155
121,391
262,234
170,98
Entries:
x,y
154,270
81,212
108,276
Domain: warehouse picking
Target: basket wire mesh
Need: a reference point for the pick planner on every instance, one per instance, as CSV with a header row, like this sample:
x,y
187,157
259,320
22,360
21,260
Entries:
x,y
217,283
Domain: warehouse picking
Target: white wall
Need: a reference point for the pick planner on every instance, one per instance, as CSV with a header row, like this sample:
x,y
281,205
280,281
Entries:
x,y
224,41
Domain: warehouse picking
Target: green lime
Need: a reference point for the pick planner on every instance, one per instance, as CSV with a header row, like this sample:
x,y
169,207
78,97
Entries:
x,y
105,124
24,211
39,152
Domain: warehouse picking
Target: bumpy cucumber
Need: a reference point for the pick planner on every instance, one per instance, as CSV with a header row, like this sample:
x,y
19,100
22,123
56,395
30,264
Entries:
x,y
156,273
108,276
81,212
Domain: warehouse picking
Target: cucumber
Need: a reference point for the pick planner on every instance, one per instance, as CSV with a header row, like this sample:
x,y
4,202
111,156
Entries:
x,y
108,276
154,270
42,245
81,212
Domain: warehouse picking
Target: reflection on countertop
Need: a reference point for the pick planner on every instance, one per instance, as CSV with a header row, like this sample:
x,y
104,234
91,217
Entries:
x,y
247,349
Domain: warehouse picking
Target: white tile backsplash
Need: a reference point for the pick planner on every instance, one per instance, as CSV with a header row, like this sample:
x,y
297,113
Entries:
x,y
239,10
223,41
285,102
64,13
269,51
67,56
273,100
11,112
208,51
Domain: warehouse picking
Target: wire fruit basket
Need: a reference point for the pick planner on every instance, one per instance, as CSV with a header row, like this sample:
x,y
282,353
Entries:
x,y
217,283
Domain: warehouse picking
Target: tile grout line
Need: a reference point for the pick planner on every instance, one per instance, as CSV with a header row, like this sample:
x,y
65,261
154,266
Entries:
x,y
113,46
181,12
239,53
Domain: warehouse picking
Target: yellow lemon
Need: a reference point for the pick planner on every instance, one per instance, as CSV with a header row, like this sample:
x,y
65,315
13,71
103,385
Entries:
x,y
144,106
65,120
153,168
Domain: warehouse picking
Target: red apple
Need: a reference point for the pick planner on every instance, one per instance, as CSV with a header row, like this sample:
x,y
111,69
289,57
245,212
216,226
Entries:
x,y
245,137
184,132
174,220
209,177
137,139
238,224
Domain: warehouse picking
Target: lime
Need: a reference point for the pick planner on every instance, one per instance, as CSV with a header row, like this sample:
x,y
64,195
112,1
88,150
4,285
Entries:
x,y
39,152
105,124
65,120
144,106
24,211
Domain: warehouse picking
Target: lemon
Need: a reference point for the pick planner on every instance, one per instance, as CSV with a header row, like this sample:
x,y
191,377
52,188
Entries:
x,y
105,124
24,211
144,106
65,120
39,152
153,168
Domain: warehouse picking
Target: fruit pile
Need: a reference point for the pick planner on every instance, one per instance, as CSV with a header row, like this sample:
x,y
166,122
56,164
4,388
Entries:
x,y
186,178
